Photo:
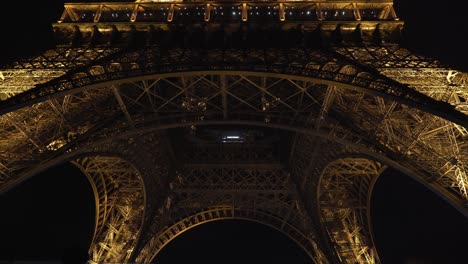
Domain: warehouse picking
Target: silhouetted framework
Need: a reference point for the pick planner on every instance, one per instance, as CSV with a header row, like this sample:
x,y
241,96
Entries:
x,y
280,112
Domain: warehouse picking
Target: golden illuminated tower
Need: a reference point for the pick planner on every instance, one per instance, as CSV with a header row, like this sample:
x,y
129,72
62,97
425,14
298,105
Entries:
x,y
281,112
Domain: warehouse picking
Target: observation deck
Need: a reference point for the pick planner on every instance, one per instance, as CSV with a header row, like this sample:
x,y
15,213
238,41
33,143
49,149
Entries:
x,y
119,22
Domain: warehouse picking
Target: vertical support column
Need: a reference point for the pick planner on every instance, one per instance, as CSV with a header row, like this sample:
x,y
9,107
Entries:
x,y
70,13
387,12
318,12
282,15
207,12
170,15
134,13
222,81
97,16
393,13
62,18
357,14
244,11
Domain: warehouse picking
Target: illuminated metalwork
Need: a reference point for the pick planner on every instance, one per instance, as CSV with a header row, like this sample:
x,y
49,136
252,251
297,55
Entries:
x,y
239,189
24,74
214,11
344,198
119,195
130,89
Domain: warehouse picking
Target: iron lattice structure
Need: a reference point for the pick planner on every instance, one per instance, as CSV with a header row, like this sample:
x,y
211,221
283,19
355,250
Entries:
x,y
319,99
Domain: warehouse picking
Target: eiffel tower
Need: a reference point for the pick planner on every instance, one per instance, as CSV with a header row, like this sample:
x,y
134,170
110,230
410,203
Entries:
x,y
286,113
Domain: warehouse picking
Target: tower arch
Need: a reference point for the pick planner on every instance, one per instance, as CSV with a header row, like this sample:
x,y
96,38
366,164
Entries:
x,y
343,197
217,213
120,206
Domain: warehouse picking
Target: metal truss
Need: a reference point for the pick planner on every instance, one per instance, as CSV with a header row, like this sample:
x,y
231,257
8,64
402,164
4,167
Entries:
x,y
148,155
61,121
25,74
406,136
260,95
120,203
308,160
432,145
230,212
350,109
337,184
451,176
429,77
344,194
312,64
203,192
423,74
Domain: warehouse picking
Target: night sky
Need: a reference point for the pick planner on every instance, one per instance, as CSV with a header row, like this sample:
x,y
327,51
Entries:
x,y
51,217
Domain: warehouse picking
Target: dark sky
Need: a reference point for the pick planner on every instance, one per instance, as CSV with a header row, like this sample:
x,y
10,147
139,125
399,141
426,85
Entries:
x,y
50,217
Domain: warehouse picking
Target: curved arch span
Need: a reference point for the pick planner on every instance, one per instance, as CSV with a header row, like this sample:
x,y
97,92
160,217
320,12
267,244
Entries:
x,y
344,193
120,204
440,156
343,201
423,137
345,139
345,76
215,213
